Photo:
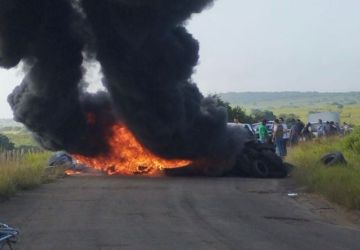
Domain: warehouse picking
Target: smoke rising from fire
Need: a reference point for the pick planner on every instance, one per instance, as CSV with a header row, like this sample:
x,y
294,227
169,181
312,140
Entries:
x,y
147,58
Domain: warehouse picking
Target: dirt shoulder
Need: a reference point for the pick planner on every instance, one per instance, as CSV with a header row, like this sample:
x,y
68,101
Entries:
x,y
329,211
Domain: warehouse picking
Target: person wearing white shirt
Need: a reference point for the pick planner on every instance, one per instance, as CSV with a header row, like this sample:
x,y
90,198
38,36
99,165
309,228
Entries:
x,y
286,133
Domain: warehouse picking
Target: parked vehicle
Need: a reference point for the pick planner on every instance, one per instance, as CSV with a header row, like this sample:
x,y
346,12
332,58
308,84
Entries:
x,y
269,126
325,117
247,126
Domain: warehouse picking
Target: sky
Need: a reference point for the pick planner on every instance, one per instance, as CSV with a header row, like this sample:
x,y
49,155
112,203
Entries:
x,y
266,45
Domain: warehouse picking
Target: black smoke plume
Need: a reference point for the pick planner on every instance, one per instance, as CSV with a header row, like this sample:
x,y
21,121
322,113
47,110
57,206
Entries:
x,y
147,58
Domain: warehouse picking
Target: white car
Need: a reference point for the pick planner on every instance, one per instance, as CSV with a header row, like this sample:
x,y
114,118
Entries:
x,y
243,125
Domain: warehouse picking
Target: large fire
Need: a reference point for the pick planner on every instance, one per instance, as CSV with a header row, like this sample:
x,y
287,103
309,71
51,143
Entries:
x,y
128,157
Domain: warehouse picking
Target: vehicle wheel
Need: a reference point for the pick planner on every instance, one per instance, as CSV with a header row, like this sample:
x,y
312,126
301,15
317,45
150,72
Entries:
x,y
260,168
242,167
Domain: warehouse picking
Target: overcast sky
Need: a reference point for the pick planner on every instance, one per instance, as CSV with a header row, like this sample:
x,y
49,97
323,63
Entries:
x,y
268,45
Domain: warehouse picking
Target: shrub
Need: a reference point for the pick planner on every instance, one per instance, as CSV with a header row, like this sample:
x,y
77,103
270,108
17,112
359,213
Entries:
x,y
5,143
24,173
352,141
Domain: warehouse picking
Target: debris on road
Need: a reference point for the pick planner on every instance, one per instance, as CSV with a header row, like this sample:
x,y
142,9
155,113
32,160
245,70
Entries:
x,y
8,235
293,195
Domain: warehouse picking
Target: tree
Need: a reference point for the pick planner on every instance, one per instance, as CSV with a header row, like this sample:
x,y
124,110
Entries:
x,y
223,104
5,143
259,115
233,112
239,114
289,118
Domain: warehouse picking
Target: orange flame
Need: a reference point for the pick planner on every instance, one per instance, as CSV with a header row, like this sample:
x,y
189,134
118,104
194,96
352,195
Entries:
x,y
72,172
128,156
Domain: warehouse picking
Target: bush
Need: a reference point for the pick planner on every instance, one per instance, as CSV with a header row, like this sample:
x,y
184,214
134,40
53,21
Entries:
x,y
5,143
352,141
25,173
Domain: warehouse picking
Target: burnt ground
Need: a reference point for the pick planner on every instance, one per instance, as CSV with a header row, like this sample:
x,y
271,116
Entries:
x,y
99,212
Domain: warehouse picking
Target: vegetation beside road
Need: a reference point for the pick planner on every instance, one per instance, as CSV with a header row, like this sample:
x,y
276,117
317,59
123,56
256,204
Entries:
x,y
19,136
298,103
25,172
339,183
23,165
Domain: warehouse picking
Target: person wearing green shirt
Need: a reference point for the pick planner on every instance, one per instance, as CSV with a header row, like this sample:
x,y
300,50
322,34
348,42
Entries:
x,y
263,132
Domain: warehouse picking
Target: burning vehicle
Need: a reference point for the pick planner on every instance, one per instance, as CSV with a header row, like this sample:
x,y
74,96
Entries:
x,y
150,117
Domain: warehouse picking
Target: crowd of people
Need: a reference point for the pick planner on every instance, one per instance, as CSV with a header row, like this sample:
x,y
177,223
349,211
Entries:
x,y
282,136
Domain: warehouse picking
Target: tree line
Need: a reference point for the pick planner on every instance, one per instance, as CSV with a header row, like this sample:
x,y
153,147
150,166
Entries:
x,y
256,115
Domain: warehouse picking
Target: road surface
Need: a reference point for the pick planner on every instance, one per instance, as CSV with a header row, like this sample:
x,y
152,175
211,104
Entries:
x,y
106,213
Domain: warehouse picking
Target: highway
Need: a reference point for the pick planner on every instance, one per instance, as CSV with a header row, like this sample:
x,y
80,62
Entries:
x,y
106,213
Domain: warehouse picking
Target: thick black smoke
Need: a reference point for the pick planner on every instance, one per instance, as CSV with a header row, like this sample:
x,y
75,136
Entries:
x,y
147,58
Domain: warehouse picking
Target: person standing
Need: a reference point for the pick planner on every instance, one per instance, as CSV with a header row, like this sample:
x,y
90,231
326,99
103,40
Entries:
x,y
346,129
263,132
306,132
333,131
295,132
320,129
327,128
277,137
286,133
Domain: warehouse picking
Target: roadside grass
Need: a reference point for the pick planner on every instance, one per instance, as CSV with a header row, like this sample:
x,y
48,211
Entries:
x,y
339,183
25,173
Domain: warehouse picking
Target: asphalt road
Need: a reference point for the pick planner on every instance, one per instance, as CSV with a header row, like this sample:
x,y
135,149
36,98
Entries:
x,y
85,212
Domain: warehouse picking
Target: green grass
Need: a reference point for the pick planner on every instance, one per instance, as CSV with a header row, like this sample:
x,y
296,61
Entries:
x,y
341,183
349,114
19,135
299,103
25,173
20,138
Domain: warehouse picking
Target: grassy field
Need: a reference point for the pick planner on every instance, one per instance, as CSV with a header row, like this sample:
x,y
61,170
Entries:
x,y
19,136
349,114
26,172
268,100
339,183
299,103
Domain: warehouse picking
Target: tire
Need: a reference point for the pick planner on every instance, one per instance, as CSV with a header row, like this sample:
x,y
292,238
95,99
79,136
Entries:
x,y
276,165
260,168
266,147
333,158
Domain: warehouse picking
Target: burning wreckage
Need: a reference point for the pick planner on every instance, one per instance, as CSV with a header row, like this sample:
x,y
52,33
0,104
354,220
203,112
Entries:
x,y
151,116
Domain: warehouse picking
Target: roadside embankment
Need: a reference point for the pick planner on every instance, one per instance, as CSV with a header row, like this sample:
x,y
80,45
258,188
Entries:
x,y
340,183
25,172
